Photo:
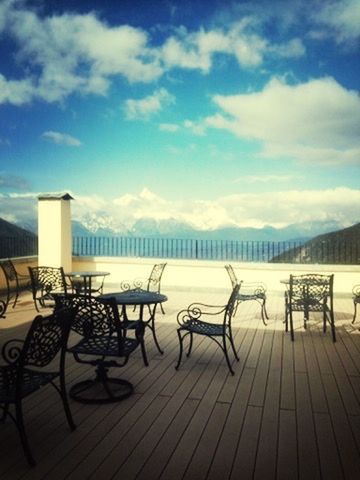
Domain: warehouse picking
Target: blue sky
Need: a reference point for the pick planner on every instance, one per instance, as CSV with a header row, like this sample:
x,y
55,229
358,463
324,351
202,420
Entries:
x,y
213,113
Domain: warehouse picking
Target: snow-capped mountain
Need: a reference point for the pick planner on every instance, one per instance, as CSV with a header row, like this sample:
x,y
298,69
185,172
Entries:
x,y
102,224
171,228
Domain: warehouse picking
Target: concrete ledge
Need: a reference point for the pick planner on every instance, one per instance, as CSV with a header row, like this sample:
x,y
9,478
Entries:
x,y
203,274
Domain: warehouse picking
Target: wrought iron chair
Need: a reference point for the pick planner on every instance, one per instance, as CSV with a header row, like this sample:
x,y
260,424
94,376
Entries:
x,y
102,343
249,291
310,293
25,374
45,281
191,321
153,283
15,282
356,299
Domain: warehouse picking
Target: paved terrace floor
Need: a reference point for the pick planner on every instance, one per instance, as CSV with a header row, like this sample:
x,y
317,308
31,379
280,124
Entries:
x,y
291,411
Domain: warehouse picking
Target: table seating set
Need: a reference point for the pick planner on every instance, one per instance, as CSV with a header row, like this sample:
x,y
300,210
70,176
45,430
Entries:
x,y
107,329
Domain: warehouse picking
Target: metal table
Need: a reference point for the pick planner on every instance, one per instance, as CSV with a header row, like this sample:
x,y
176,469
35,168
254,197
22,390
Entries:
x,y
84,280
141,298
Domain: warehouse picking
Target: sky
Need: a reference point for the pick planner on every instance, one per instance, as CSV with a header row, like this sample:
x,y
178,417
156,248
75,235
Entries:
x,y
210,112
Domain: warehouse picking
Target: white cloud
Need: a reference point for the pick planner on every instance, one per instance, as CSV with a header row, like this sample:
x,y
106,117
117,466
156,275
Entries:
x,y
196,50
265,178
17,92
197,128
61,138
79,53
278,209
343,18
72,53
292,49
193,50
169,127
148,106
315,121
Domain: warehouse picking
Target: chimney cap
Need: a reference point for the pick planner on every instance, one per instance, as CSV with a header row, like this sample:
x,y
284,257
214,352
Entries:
x,y
55,196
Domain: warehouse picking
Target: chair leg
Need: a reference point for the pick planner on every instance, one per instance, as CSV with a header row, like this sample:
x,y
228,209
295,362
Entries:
x,y
264,313
35,303
227,356
16,298
181,349
332,325
190,344
291,326
233,345
23,437
65,401
354,317
143,352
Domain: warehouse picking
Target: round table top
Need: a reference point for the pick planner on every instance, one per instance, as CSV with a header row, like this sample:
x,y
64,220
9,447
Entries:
x,y
135,297
89,273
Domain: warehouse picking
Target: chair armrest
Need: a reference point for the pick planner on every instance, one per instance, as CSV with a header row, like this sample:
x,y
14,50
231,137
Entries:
x,y
356,290
198,310
255,288
11,350
132,284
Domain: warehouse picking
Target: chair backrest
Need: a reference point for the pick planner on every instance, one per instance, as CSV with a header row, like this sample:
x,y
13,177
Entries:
x,y
47,279
311,286
9,271
46,337
93,317
232,275
230,309
155,277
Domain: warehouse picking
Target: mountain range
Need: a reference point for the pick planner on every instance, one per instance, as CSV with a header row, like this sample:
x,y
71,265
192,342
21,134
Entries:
x,y
339,245
102,225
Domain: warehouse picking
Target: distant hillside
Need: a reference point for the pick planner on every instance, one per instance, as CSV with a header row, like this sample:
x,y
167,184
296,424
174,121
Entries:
x,y
8,229
339,247
16,241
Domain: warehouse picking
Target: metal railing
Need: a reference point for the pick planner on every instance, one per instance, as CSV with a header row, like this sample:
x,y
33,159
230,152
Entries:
x,y
23,246
326,252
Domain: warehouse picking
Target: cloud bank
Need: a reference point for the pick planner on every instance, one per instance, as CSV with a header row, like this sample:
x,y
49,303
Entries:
x,y
69,53
277,209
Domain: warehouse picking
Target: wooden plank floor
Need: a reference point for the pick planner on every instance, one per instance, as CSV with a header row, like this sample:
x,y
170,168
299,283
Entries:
x,y
292,410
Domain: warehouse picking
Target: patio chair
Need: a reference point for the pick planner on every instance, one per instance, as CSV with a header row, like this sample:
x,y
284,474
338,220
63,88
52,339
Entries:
x,y
15,282
249,291
356,299
153,282
32,364
195,320
310,293
102,343
45,281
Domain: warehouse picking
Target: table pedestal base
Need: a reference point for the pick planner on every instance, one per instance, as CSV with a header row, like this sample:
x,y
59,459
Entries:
x,y
101,390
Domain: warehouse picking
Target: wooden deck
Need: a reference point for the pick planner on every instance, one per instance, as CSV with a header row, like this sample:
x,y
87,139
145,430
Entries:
x,y
291,411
